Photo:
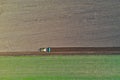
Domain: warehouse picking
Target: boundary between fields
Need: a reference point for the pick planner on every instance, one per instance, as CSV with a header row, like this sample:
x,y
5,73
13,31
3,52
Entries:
x,y
69,51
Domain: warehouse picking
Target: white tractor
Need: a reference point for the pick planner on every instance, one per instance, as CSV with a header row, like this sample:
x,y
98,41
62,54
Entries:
x,y
45,49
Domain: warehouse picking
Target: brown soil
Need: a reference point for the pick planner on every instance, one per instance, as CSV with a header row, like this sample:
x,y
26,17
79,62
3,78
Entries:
x,y
69,51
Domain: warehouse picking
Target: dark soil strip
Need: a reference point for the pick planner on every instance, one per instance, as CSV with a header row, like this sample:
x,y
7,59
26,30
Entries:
x,y
69,51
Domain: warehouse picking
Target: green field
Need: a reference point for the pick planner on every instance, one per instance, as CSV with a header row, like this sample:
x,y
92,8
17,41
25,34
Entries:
x,y
77,67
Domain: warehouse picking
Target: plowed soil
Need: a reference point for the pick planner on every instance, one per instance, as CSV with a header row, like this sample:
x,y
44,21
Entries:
x,y
69,51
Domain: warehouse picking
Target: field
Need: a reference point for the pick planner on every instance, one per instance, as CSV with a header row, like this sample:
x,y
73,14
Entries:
x,y
27,25
76,67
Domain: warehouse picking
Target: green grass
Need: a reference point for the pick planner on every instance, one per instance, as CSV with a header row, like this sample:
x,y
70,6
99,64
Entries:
x,y
78,67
